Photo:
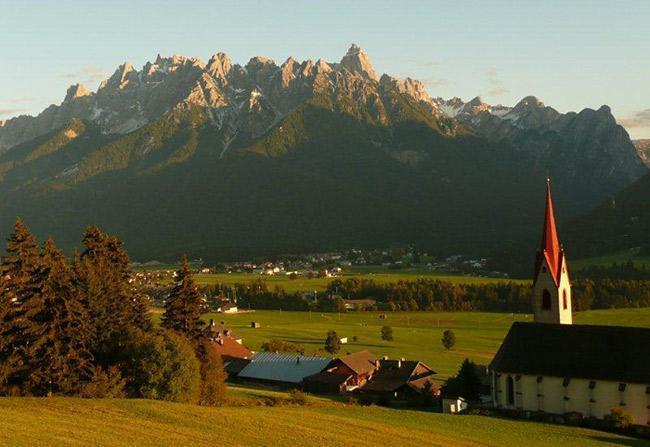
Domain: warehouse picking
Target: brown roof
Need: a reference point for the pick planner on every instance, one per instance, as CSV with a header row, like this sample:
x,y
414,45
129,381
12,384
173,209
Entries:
x,y
327,377
228,347
583,351
362,362
393,374
419,384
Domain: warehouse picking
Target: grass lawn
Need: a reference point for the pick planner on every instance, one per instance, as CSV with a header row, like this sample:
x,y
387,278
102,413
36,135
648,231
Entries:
x,y
377,274
620,257
79,422
417,334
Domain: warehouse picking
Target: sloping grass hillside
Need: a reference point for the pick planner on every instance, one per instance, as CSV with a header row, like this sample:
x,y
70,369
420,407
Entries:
x,y
78,422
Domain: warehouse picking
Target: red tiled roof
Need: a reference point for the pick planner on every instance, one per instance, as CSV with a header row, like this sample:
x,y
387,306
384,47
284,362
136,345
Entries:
x,y
228,347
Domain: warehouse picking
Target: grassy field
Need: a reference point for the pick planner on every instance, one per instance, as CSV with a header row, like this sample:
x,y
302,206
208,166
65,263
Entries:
x,y
417,334
377,274
97,422
620,257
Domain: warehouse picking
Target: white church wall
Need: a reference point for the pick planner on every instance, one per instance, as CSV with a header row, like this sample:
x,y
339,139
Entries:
x,y
605,395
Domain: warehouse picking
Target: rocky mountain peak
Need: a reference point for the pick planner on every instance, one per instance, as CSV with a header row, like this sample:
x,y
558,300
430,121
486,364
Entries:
x,y
529,102
411,87
76,91
357,61
322,67
124,76
219,66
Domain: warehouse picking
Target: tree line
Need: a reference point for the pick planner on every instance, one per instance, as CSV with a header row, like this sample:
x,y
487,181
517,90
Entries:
x,y
435,295
77,327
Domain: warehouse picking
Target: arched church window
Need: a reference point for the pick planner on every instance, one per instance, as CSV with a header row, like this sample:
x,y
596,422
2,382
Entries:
x,y
564,300
546,300
510,390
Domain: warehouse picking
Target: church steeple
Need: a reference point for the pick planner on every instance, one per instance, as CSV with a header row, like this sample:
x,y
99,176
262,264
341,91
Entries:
x,y
550,249
551,286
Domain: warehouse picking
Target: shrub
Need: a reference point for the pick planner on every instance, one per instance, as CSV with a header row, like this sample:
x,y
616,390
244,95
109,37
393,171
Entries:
x,y
387,333
618,419
213,375
366,400
104,384
276,345
161,367
183,373
297,397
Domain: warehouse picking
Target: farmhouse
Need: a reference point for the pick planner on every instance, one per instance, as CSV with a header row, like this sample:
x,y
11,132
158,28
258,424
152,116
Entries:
x,y
401,379
556,367
343,374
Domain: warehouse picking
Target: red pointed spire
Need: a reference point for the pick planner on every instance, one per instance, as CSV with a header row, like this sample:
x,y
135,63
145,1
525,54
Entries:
x,y
550,248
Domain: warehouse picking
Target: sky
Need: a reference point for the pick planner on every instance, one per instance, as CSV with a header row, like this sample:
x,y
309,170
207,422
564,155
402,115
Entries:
x,y
570,54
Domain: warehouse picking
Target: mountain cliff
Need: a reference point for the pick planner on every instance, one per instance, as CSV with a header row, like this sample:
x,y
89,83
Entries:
x,y
222,160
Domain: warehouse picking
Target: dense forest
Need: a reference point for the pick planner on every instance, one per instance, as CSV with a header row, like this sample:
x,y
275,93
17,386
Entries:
x,y
79,328
436,295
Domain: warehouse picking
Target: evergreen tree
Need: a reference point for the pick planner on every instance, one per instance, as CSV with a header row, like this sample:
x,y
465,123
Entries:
x,y
185,305
55,329
332,342
103,275
467,382
19,269
387,333
448,339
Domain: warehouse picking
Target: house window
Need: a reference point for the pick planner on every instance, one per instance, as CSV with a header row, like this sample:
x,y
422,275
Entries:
x,y
546,300
510,390
564,300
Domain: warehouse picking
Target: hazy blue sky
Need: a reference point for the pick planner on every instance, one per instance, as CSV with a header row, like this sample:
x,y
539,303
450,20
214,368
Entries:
x,y
570,54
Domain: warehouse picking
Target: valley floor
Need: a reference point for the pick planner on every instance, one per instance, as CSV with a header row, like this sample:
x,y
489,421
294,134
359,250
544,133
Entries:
x,y
79,422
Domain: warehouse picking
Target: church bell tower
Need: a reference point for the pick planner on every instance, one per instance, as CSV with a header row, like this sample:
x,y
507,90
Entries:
x,y
551,285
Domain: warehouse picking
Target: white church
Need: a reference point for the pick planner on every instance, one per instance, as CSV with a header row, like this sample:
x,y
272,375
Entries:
x,y
556,367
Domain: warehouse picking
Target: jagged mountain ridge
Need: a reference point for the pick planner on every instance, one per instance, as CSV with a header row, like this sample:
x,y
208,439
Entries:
x,y
643,149
265,158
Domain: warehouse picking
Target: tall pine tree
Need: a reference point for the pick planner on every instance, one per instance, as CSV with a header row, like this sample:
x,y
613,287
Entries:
x,y
20,271
114,309
185,305
55,329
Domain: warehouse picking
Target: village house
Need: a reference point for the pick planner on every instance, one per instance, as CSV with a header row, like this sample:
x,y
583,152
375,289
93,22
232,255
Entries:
x,y
227,308
225,343
401,379
360,304
556,367
343,374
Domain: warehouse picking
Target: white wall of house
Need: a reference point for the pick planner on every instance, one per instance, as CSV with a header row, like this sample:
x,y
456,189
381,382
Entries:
x,y
552,396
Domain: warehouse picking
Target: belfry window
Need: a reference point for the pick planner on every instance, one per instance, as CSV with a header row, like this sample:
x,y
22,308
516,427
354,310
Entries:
x,y
546,300
564,300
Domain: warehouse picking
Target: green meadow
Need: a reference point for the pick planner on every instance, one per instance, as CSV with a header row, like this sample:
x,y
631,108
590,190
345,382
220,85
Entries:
x,y
620,257
106,422
416,334
377,274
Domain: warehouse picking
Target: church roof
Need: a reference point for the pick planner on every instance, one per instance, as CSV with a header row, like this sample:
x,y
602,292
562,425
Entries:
x,y
614,353
550,249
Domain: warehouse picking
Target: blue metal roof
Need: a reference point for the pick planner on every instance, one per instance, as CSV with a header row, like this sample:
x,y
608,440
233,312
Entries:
x,y
290,368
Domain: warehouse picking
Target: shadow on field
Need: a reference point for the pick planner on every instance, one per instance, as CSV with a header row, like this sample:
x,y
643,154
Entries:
x,y
626,442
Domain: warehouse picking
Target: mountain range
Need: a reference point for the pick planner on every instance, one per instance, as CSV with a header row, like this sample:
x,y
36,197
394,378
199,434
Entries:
x,y
224,161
